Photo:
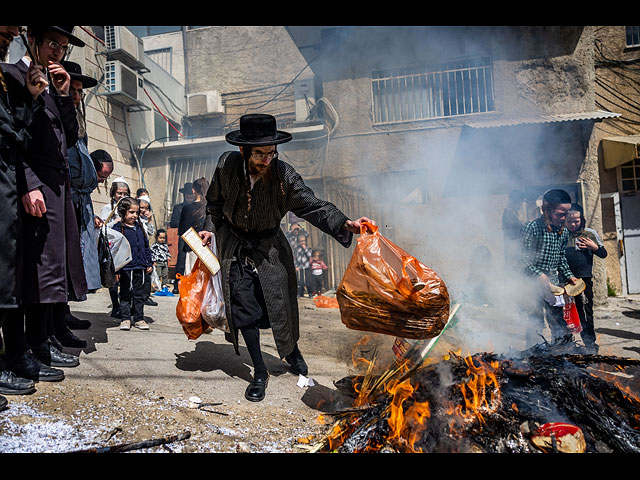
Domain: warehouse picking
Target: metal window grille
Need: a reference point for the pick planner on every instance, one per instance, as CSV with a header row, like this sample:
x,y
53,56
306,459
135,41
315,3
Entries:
x,y
457,88
630,176
633,36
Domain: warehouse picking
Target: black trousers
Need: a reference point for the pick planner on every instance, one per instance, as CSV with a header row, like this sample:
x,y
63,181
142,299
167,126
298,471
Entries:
x,y
13,332
584,304
132,294
249,311
303,276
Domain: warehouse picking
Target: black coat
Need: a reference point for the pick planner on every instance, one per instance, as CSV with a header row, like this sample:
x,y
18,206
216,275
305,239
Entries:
x,y
51,273
17,110
259,230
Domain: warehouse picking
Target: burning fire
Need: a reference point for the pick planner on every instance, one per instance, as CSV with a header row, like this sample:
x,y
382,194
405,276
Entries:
x,y
406,426
480,394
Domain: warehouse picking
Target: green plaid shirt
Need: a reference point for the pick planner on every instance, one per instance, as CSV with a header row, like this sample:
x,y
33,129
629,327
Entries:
x,y
544,251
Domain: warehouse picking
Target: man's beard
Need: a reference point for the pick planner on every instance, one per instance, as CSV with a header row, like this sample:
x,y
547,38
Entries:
x,y
263,173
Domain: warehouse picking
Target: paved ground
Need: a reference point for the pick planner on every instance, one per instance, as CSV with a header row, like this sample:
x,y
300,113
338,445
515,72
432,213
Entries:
x,y
136,385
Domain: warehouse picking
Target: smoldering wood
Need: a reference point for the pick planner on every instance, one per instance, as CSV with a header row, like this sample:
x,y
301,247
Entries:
x,y
551,382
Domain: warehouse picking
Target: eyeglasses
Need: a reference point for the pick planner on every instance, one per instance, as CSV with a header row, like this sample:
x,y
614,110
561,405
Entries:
x,y
73,91
260,156
56,46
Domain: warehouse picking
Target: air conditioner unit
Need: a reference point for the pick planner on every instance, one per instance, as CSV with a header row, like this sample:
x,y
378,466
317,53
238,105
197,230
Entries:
x,y
123,84
205,103
123,45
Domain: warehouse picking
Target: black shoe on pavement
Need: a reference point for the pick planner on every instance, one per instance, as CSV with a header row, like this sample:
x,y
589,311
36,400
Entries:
x,y
48,354
150,302
28,366
68,339
115,312
76,323
55,342
12,385
256,389
3,403
297,363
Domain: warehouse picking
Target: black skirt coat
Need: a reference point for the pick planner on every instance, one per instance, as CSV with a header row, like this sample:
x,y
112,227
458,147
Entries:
x,y
17,110
258,230
52,259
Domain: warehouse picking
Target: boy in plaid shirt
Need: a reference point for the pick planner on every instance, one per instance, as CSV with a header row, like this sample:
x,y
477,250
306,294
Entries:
x,y
544,241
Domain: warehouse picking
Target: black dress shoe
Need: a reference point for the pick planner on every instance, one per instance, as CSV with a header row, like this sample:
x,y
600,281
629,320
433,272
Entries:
x,y
68,339
55,342
255,390
297,363
76,323
150,302
48,354
12,385
28,366
3,403
115,312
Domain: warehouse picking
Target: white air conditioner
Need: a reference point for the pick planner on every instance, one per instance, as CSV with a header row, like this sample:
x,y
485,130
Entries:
x,y
123,45
205,103
123,84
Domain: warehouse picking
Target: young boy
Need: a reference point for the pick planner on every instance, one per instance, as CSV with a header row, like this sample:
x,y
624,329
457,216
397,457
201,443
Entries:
x,y
583,244
544,241
160,256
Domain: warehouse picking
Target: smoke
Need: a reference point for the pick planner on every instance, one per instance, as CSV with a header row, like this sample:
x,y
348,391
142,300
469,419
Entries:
x,y
470,172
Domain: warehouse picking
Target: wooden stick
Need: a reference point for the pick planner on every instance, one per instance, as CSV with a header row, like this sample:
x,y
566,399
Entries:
x,y
125,447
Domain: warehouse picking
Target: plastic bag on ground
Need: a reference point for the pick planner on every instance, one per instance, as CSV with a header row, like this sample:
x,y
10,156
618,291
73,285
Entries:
x,y
325,302
386,290
192,289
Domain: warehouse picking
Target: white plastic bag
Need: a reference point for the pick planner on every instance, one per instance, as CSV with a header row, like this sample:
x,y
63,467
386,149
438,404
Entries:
x,y
120,248
212,308
155,280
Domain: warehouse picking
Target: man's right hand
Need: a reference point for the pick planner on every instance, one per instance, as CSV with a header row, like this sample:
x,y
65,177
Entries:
x,y
33,202
36,80
206,237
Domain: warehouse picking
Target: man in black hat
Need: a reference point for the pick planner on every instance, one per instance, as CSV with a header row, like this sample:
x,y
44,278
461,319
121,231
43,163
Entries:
x,y
52,275
251,191
84,180
18,105
187,192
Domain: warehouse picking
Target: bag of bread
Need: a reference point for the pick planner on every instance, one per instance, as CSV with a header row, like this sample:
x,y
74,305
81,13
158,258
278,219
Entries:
x,y
386,290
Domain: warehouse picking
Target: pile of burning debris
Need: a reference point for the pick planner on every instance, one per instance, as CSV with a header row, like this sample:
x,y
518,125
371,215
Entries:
x,y
553,397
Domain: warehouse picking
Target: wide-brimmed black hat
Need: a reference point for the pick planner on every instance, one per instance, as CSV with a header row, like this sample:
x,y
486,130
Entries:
x,y
64,30
187,188
257,130
75,72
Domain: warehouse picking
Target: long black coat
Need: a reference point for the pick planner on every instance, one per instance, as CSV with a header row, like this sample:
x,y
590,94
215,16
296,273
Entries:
x,y
17,110
233,224
52,260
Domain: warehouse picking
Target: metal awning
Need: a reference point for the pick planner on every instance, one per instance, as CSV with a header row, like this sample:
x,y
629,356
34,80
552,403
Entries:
x,y
539,119
620,150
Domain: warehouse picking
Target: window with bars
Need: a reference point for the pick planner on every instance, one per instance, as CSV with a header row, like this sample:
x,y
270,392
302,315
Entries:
x,y
630,176
632,36
455,88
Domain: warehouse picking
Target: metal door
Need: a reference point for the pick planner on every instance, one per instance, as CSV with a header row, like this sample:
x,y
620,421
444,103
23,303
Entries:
x,y
630,205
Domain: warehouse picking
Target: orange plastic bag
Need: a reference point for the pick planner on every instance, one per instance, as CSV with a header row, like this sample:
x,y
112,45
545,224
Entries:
x,y
192,288
386,290
325,302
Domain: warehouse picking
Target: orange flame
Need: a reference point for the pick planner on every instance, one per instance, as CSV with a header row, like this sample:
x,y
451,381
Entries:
x,y
406,426
481,394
